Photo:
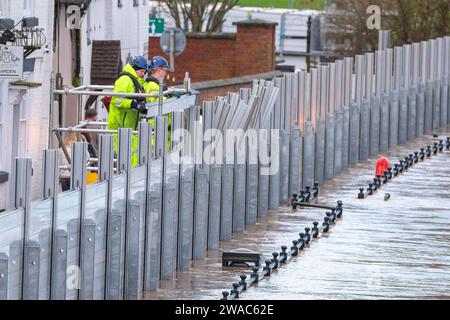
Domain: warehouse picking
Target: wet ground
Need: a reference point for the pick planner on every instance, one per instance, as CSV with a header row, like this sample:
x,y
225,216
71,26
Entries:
x,y
395,249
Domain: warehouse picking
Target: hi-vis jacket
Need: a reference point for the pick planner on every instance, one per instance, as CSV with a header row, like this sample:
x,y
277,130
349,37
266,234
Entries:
x,y
152,87
120,113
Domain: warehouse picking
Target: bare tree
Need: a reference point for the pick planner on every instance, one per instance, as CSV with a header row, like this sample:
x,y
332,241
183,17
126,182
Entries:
x,y
409,21
203,15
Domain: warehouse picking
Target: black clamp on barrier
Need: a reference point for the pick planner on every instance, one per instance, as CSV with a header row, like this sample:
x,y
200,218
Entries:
x,y
305,196
403,165
281,258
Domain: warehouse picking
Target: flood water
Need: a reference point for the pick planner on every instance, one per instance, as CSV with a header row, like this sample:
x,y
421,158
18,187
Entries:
x,y
395,249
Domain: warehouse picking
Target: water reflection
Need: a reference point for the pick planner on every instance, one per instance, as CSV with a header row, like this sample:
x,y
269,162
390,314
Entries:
x,y
396,249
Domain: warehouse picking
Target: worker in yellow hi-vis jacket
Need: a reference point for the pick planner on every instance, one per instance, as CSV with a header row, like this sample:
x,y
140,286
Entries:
x,y
124,112
158,68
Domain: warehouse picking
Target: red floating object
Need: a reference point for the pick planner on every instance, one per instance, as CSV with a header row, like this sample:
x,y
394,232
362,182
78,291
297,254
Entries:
x,y
382,166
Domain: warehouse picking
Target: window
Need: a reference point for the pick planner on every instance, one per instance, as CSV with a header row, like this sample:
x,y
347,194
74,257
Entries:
x,y
119,4
135,3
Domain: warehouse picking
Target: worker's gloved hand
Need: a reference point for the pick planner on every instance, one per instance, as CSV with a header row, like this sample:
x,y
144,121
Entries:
x,y
139,106
174,95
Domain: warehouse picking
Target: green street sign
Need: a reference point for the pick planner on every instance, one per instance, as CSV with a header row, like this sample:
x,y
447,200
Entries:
x,y
156,26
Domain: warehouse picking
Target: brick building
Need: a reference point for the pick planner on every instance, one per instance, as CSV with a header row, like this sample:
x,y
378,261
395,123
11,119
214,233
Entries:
x,y
218,56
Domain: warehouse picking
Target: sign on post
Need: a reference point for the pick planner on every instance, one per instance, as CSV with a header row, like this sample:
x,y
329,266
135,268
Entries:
x,y
11,62
173,43
156,27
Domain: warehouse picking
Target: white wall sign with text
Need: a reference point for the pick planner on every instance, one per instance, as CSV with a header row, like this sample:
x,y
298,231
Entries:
x,y
11,62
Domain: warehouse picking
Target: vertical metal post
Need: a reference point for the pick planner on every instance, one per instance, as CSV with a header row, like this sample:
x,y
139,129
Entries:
x,y
295,100
50,191
421,95
384,102
114,263
347,98
435,83
240,181
78,181
31,274
265,143
78,172
174,161
132,250
427,74
170,215
395,98
117,225
309,143
301,122
186,200
355,114
145,143
285,135
294,167
154,210
404,85
22,192
443,82
200,214
408,116
87,266
161,136
288,111
339,118
321,125
51,111
330,127
144,224
376,108
124,154
201,194
295,138
143,199
251,198
366,109
413,92
215,178
274,188
59,266
226,220
105,172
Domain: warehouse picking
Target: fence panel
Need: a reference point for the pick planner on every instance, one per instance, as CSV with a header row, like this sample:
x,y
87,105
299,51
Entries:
x,y
11,254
